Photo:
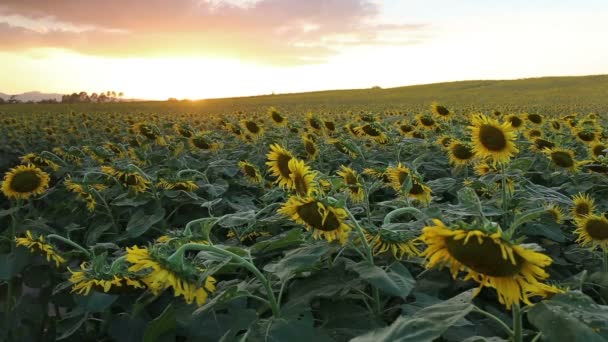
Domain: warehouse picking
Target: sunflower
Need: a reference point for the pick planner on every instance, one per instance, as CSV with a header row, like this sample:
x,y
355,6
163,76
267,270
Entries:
x,y
177,184
444,141
491,140
39,161
350,128
313,121
582,205
373,131
460,154
405,129
84,191
516,122
200,141
87,279
539,144
400,244
587,136
278,163
592,230
418,190
247,236
536,119
556,125
514,271
160,275
351,181
329,125
276,117
323,220
25,181
562,158
556,212
483,168
397,175
441,111
252,128
39,244
302,177
149,131
183,130
426,121
343,147
598,150
533,133
312,151
130,180
250,171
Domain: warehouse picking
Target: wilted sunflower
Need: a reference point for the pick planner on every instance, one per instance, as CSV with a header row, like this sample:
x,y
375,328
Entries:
x,y
278,163
177,184
183,130
442,112
562,158
513,270
302,177
418,190
536,119
84,191
598,150
87,279
200,141
483,168
592,231
149,131
323,220
516,122
400,244
373,131
25,181
555,212
398,175
350,128
539,144
159,274
352,183
128,179
251,127
582,205
460,154
276,117
312,151
313,121
39,161
343,147
38,244
491,140
250,171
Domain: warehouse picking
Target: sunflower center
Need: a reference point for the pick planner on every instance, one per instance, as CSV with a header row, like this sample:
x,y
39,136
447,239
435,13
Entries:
x,y
582,209
130,179
535,118
418,135
515,121
310,148
314,123
249,171
283,165
597,229
370,130
534,133
25,181
441,110
181,186
556,125
300,184
541,144
252,127
562,159
427,121
485,258
330,125
277,117
310,214
350,178
492,138
598,168
586,136
201,143
416,189
406,128
461,151
185,133
598,150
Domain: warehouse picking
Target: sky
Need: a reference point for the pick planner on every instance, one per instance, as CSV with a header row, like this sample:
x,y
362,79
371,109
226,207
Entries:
x,y
156,49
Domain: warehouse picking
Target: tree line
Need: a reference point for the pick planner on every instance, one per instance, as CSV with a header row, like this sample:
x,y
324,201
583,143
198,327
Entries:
x,y
82,97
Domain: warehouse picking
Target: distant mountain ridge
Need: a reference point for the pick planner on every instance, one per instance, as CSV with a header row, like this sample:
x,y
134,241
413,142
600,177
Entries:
x,y
33,96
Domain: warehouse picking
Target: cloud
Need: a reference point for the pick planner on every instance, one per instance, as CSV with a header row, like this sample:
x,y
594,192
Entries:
x,y
271,31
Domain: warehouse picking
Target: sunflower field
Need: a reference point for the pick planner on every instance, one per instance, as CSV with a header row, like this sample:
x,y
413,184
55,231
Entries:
x,y
280,224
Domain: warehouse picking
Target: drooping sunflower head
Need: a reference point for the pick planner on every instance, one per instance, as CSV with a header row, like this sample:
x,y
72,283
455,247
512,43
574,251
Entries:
x,y
562,158
398,175
350,178
420,192
400,244
276,117
311,148
514,271
329,125
426,121
405,129
539,144
183,130
483,168
252,128
313,121
39,161
148,131
159,274
343,147
131,179
441,111
25,181
491,140
278,164
587,136
40,245
582,206
597,150
250,171
460,153
592,231
302,177
323,220
373,131
555,212
177,184
201,141
100,277
535,119
444,141
516,122
533,133
556,125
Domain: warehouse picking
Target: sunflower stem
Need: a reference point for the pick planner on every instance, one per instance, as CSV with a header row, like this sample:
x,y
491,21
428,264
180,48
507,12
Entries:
x,y
107,207
9,287
116,263
181,172
500,322
517,323
69,242
605,264
274,306
505,205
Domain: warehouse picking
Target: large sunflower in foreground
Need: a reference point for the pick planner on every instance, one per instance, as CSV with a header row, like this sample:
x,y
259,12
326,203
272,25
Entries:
x,y
159,275
592,231
582,205
278,163
323,220
39,244
492,140
25,181
514,271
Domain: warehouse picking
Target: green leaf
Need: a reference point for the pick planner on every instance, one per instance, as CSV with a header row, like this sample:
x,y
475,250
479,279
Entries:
x,y
162,324
70,325
13,263
397,281
140,222
572,316
284,240
298,260
238,219
95,232
95,301
124,328
427,324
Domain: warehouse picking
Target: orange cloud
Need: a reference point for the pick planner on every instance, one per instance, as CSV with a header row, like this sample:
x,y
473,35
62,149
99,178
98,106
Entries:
x,y
271,31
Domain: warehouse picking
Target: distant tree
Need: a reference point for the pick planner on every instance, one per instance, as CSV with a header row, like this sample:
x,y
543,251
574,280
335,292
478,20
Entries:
x,y
2,101
94,97
13,99
83,97
102,98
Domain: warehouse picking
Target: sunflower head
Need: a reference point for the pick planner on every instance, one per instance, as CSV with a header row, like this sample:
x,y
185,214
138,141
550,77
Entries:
x,y
400,244
201,141
491,140
441,111
373,131
99,276
250,171
597,150
311,148
343,147
177,184
582,206
460,154
562,158
539,144
276,117
252,128
350,178
302,177
426,121
40,245
514,271
587,136
278,164
515,121
130,179
25,181
555,212
444,141
592,231
323,220
535,119
39,161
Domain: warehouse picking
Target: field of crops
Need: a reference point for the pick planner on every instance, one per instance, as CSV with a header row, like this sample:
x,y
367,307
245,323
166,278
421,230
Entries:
x,y
437,221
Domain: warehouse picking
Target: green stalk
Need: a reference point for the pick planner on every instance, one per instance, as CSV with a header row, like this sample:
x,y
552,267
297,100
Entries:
x,y
9,288
605,264
506,328
69,242
505,205
517,324
179,254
